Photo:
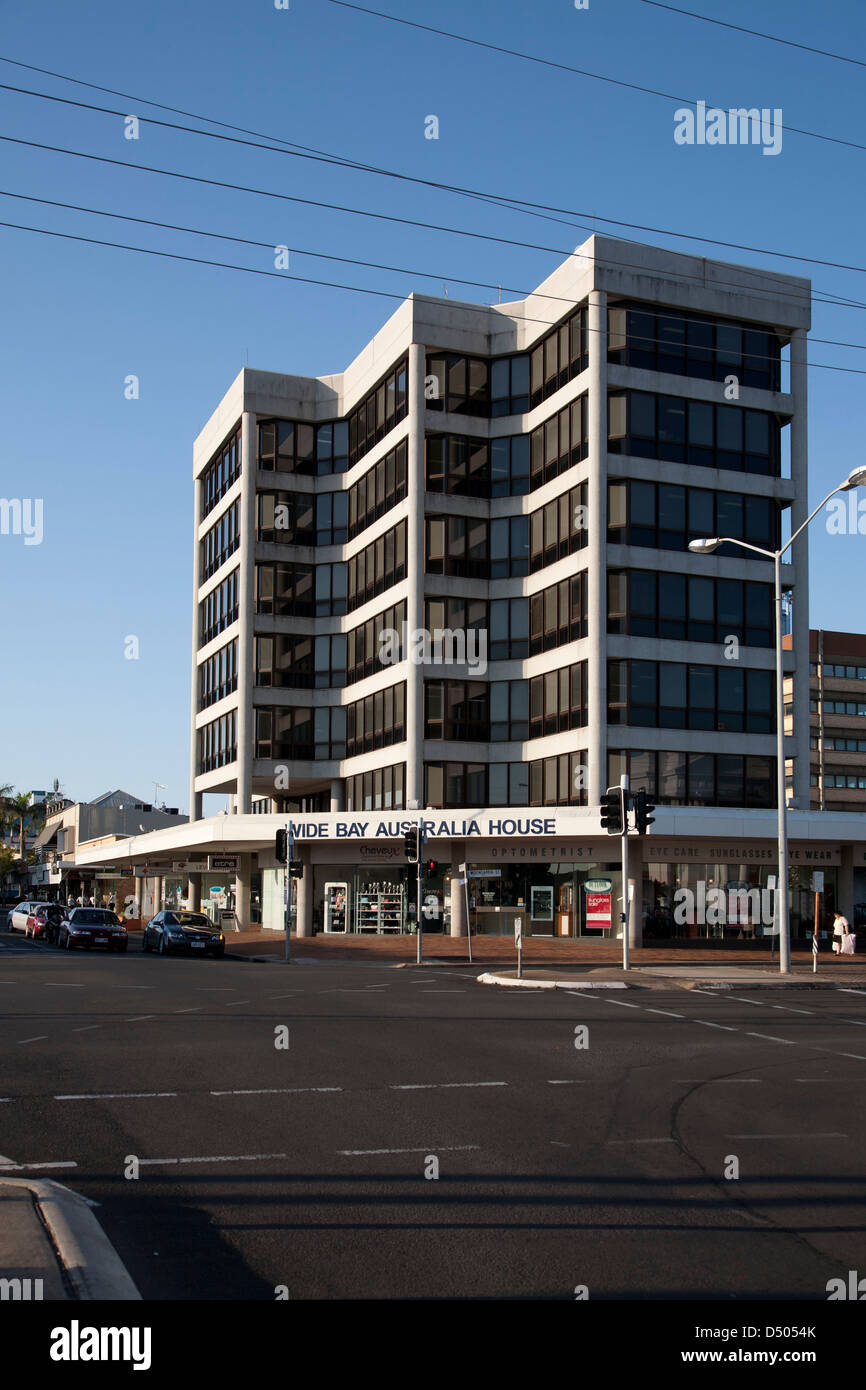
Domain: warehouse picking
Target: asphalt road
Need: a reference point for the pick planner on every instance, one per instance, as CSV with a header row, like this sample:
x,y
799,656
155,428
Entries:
x,y
304,1166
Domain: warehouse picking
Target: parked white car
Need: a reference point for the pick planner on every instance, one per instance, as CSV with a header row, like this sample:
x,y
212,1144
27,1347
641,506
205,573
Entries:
x,y
17,918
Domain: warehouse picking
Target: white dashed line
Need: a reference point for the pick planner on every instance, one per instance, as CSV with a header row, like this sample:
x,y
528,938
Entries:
x,y
666,1012
771,1038
40,1038
233,1003
841,989
725,1027
211,1158
87,1027
59,984
19,1167
719,1080
444,1085
138,1018
281,1091
438,1148
787,1136
568,1083
195,1010
641,1141
120,1095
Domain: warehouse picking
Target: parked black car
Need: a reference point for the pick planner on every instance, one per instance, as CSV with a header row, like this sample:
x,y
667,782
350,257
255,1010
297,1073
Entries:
x,y
174,929
91,926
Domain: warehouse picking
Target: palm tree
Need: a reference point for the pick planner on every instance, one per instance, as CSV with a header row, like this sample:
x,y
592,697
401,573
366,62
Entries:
x,y
5,816
21,810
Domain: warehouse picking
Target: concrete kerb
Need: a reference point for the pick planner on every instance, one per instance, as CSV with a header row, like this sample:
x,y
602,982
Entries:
x,y
91,1266
490,979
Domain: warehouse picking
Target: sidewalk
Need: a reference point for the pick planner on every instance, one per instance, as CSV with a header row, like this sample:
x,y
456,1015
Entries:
x,y
52,1248
554,958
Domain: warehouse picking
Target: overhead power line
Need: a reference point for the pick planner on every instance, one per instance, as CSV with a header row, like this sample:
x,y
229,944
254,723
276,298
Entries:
x,y
756,33
497,199
288,279
567,67
346,260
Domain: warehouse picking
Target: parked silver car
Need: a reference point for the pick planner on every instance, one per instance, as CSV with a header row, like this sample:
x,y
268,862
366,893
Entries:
x,y
17,916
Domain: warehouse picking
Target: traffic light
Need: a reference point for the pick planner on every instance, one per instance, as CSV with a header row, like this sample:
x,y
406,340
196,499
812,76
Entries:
x,y
642,812
431,867
281,846
296,868
611,810
411,846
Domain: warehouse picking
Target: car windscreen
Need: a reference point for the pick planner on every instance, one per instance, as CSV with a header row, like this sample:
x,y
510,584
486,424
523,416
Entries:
x,y
94,917
192,919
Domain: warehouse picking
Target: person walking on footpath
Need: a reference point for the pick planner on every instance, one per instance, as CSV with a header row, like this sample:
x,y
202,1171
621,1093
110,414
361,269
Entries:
x,y
843,937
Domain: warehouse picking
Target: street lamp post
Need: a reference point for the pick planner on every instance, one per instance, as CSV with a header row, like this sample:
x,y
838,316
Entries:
x,y
856,478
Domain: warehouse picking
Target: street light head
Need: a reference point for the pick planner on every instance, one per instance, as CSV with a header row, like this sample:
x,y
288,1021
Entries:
x,y
704,547
856,478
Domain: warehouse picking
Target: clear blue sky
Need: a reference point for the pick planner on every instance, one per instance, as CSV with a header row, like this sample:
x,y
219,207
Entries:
x,y
115,475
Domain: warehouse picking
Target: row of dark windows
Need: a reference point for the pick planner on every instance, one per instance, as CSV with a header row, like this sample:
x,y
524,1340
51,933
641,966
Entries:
x,y
377,567
377,721
218,675
848,780
382,789
559,528
695,345
560,443
558,614
365,644
841,745
677,695
666,516
221,541
286,590
470,467
475,784
302,733
223,470
474,548
558,700
302,518
839,672
293,446
220,608
300,661
483,387
476,711
691,608
856,707
676,778
383,408
700,433
218,742
380,489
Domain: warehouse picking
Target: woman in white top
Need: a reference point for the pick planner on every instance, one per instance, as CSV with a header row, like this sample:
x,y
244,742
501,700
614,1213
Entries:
x,y
841,928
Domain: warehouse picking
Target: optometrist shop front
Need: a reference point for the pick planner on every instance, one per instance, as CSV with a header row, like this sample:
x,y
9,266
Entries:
x,y
701,874
561,875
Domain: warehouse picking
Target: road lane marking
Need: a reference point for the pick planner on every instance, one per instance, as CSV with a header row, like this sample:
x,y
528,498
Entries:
x,y
195,1010
211,1158
787,1136
139,1017
443,1085
788,1010
119,1095
437,1148
233,1003
39,1038
19,1167
568,1083
666,1012
841,989
641,1141
281,1091
719,1080
431,991
87,1027
725,1027
771,1038
59,984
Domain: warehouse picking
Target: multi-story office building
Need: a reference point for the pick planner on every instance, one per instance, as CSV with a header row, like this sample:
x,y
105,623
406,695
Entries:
x,y
837,720
523,478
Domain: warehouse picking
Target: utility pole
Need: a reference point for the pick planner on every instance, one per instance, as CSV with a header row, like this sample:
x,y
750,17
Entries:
x,y
624,915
